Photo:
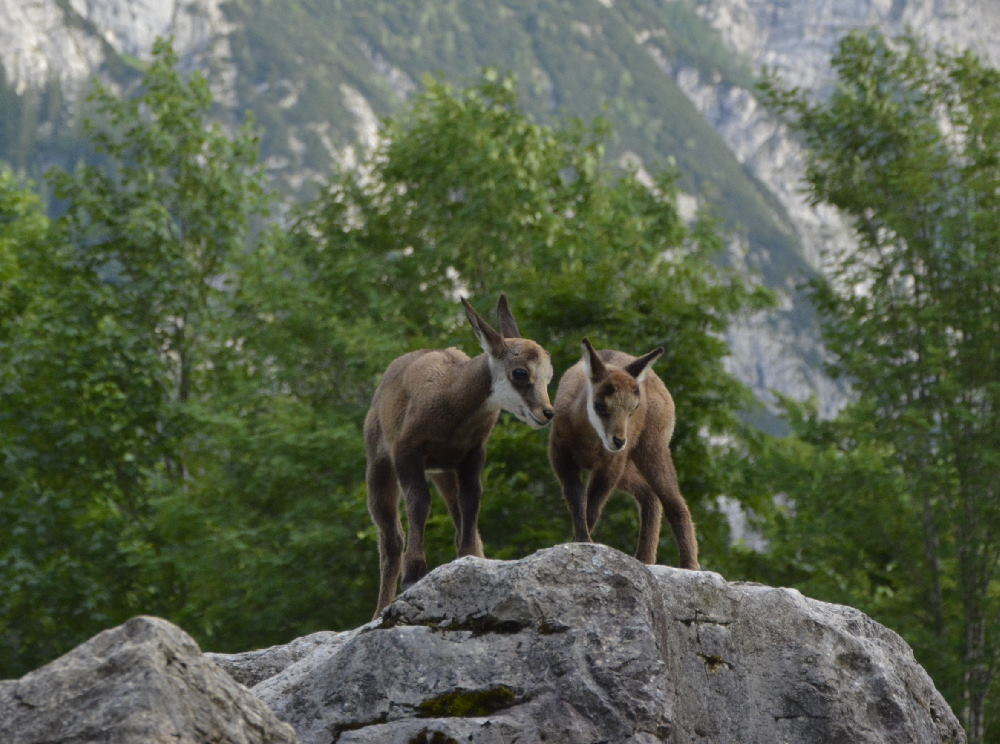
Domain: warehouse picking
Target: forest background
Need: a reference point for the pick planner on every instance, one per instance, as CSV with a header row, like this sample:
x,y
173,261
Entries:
x,y
185,363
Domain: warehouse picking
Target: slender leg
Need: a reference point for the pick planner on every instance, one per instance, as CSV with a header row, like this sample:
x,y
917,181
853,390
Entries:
x,y
650,513
447,485
383,505
470,496
568,473
603,480
659,472
410,469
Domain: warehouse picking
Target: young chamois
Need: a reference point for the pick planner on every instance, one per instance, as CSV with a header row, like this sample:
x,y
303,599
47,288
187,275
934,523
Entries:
x,y
432,414
615,417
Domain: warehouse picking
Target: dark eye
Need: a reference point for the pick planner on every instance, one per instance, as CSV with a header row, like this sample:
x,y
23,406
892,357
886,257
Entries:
x,y
520,375
600,409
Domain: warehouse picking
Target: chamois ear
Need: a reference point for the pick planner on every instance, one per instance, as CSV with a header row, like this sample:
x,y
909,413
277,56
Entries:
x,y
640,366
490,341
505,318
592,363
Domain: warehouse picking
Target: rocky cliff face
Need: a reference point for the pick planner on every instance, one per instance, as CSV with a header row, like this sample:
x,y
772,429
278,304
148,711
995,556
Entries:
x,y
796,42
42,41
577,643
796,39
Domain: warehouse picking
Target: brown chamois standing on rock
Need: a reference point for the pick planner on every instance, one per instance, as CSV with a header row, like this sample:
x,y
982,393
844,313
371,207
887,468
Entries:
x,y
615,418
432,414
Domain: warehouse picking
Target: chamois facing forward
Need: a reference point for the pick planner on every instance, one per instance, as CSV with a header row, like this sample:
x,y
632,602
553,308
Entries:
x,y
432,414
615,417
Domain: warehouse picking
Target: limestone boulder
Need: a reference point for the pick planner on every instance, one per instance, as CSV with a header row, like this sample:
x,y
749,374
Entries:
x,y
143,682
581,643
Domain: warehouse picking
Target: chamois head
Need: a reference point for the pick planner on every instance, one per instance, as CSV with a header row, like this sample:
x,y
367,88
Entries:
x,y
614,394
520,368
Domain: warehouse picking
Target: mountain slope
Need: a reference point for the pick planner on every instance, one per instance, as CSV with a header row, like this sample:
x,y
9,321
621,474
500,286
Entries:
x,y
675,78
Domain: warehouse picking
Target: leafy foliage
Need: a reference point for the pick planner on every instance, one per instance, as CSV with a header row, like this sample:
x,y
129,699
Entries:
x,y
79,440
112,339
909,148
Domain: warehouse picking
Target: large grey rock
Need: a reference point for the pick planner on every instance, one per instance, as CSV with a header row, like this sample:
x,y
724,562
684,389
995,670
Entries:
x,y
581,643
143,682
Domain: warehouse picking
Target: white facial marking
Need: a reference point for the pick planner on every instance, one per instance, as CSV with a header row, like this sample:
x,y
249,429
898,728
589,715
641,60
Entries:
x,y
596,422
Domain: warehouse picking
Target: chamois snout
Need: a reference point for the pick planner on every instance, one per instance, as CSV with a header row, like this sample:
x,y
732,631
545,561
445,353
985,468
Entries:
x,y
547,414
537,418
538,404
612,442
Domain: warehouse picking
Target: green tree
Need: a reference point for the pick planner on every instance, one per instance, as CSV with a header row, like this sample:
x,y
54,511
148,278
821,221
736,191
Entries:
x,y
203,392
78,441
115,347
166,211
908,147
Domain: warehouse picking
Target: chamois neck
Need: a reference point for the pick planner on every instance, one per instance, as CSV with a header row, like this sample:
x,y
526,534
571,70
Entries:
x,y
475,381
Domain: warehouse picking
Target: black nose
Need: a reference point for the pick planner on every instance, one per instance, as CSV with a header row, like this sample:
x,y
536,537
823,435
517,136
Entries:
x,y
618,442
548,413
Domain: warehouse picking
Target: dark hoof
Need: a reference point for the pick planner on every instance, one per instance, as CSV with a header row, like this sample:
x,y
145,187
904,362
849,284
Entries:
x,y
413,572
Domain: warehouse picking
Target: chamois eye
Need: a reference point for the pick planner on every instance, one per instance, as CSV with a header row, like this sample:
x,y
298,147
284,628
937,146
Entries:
x,y
600,409
520,375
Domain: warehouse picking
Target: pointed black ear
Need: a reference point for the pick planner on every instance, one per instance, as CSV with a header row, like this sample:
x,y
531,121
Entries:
x,y
640,366
592,363
505,318
490,341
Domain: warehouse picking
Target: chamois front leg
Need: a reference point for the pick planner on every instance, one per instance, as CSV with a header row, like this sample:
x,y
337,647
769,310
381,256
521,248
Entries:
x,y
568,473
470,496
650,519
603,479
410,470
650,513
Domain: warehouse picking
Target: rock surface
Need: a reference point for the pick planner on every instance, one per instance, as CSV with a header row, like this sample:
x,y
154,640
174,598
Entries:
x,y
580,643
145,681
44,41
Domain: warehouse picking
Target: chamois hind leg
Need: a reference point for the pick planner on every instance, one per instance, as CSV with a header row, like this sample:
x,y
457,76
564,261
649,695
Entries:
x,y
446,482
650,513
416,494
659,472
383,505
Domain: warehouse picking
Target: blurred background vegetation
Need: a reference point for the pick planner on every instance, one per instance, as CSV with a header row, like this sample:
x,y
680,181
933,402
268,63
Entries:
x,y
184,368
